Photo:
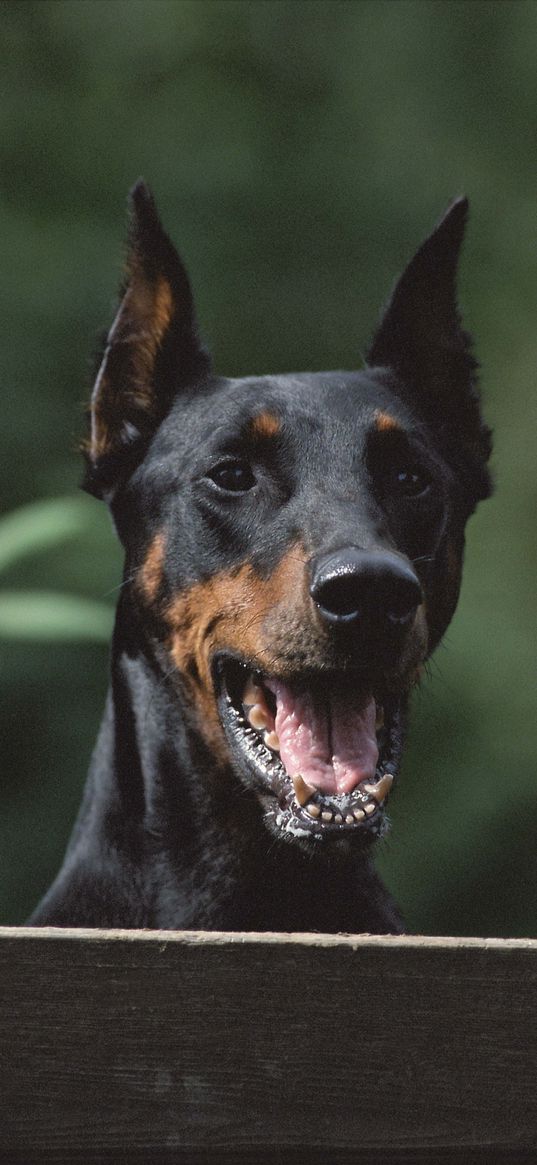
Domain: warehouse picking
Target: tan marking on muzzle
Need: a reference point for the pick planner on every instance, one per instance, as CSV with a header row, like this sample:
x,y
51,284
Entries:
x,y
228,612
151,574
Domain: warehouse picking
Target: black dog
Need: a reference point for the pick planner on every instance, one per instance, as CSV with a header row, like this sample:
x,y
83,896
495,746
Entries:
x,y
293,555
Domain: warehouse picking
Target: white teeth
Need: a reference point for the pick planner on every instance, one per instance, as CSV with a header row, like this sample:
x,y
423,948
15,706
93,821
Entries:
x,y
313,809
258,717
303,791
381,789
272,741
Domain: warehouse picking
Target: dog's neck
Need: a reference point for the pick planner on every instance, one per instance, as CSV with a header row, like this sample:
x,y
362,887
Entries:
x,y
199,860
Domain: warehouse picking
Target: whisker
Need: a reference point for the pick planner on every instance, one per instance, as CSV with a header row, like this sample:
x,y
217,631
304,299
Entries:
x,y
113,590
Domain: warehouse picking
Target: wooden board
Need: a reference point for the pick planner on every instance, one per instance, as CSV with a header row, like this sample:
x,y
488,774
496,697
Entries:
x,y
188,1047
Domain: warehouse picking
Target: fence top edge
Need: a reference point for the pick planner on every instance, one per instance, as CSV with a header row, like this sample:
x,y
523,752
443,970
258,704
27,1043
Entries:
x,y
211,938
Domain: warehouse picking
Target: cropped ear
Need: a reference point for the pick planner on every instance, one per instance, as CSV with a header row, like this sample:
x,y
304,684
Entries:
x,y
153,349
421,339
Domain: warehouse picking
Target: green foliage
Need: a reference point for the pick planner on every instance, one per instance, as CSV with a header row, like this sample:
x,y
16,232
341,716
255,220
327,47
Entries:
x,y
42,615
36,527
299,151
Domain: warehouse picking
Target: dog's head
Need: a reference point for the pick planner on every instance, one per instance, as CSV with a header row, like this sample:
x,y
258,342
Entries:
x,y
294,542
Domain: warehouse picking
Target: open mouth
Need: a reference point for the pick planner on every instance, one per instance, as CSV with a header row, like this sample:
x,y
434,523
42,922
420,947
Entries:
x,y
322,753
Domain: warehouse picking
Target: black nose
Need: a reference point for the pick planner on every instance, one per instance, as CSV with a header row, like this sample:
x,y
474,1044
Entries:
x,y
376,586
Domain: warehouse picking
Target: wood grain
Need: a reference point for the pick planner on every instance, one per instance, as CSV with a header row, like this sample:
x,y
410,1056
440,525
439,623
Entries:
x,y
188,1047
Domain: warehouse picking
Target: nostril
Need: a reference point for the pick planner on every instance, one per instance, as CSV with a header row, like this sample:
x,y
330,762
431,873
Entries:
x,y
403,619
337,598
402,600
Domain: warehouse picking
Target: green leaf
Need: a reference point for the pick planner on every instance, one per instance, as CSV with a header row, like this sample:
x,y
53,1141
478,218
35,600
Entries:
x,y
41,525
43,616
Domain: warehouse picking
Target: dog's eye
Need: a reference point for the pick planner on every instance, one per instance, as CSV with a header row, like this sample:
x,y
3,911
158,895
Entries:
x,y
409,481
233,476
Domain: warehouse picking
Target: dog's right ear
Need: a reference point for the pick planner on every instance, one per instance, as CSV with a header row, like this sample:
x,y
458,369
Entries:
x,y
153,349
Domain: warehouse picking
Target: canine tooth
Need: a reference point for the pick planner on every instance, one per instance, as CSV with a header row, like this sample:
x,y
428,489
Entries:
x,y
303,792
358,814
327,815
370,808
252,693
257,716
272,740
349,819
313,809
381,789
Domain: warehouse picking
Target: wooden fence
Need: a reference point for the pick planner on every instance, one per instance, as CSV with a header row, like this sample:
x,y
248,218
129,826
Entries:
x,y
186,1047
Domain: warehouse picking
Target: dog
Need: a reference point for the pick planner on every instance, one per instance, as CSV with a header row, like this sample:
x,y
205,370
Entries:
x,y
293,554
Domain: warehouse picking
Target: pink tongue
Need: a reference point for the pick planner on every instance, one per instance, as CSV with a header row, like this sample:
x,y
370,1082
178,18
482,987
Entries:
x,y
333,746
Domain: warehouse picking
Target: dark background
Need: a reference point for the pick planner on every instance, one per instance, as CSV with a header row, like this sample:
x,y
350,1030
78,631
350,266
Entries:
x,y
299,152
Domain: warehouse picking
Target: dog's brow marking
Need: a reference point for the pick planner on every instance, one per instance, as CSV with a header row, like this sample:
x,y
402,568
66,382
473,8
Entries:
x,y
151,572
264,425
384,423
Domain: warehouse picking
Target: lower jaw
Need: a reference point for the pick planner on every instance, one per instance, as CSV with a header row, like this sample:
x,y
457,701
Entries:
x,y
284,818
301,814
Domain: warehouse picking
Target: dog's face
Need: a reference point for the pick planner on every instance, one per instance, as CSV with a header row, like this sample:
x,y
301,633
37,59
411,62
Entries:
x,y
294,543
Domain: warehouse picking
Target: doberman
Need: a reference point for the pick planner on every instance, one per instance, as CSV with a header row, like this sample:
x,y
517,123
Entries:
x,y
293,551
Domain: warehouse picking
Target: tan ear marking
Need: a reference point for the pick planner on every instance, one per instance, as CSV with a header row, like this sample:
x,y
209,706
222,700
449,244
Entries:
x,y
141,323
134,389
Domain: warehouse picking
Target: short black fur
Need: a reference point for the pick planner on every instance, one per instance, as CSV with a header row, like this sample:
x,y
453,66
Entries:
x,y
303,533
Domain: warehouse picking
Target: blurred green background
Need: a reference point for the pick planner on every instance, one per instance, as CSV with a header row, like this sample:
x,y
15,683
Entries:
x,y
299,152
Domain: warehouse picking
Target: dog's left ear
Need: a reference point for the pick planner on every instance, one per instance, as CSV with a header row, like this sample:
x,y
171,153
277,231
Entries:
x,y
421,339
152,350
